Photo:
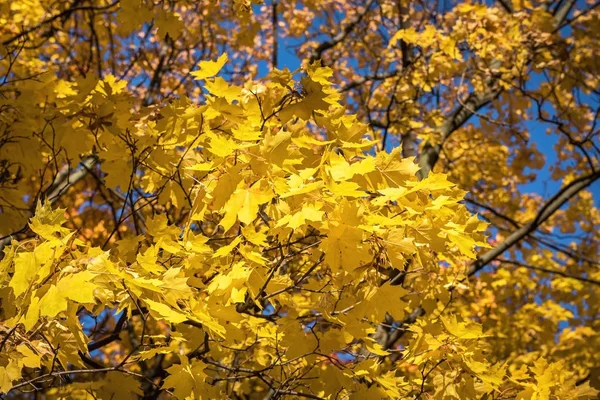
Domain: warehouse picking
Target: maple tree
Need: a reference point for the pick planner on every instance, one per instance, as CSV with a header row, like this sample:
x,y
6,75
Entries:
x,y
408,214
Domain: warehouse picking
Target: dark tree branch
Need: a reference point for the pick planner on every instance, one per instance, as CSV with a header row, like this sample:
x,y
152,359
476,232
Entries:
x,y
507,5
65,178
62,15
552,205
550,271
545,212
321,48
472,104
274,33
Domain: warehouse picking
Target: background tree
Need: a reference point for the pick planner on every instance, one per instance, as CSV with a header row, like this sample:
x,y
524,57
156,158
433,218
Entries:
x,y
309,199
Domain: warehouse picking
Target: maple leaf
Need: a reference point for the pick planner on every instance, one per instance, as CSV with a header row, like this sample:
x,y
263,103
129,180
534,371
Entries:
x,y
343,248
208,69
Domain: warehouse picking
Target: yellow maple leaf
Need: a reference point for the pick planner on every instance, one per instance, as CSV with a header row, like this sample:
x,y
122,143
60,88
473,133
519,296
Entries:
x,y
255,237
30,359
163,311
462,330
219,87
53,302
244,203
238,295
343,248
208,69
186,379
47,222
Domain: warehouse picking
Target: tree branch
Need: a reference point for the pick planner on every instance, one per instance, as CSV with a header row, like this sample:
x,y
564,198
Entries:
x,y
320,49
551,206
507,5
74,372
545,212
65,178
62,15
465,110
472,104
551,271
274,32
